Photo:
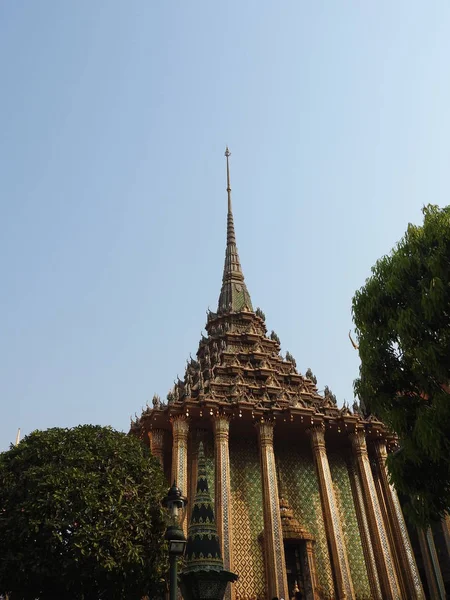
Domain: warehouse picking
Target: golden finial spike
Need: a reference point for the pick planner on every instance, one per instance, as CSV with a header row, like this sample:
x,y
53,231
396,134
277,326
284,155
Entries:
x,y
228,154
18,437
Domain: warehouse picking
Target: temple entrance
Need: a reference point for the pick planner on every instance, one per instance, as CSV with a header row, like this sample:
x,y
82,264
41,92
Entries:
x,y
297,579
299,557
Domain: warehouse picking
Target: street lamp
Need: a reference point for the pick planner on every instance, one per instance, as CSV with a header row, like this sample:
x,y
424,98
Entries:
x,y
174,502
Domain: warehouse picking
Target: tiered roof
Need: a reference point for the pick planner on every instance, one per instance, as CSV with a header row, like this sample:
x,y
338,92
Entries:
x,y
238,364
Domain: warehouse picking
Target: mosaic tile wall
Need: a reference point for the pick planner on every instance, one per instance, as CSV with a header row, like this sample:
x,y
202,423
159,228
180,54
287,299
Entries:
x,y
248,519
299,484
355,553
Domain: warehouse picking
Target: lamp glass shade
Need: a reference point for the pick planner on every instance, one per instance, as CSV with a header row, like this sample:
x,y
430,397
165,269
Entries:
x,y
177,547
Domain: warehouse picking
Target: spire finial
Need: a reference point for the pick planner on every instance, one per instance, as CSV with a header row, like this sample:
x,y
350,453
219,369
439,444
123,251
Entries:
x,y
234,295
228,154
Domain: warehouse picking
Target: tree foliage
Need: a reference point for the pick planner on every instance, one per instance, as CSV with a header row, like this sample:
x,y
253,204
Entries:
x,y
402,316
80,516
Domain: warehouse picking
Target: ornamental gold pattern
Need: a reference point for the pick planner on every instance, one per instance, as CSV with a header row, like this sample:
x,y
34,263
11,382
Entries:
x,y
339,521
370,562
350,529
331,515
399,535
273,538
248,519
299,482
383,553
221,427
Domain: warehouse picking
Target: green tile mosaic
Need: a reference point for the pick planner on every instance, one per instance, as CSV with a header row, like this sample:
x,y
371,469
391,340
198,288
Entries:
x,y
299,484
344,498
248,519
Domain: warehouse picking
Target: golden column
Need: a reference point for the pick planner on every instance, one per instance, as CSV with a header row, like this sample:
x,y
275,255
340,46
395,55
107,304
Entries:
x,y
400,536
364,530
383,554
431,563
156,437
180,431
332,519
273,534
223,492
311,567
446,528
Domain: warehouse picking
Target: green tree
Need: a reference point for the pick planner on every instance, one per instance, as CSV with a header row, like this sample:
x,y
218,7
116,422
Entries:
x,y
402,316
80,516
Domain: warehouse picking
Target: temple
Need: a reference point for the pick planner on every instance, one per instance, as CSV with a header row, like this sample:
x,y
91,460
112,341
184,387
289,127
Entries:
x,y
302,501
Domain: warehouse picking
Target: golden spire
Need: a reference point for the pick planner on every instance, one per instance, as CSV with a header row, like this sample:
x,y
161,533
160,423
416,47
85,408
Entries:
x,y
231,236
228,154
234,295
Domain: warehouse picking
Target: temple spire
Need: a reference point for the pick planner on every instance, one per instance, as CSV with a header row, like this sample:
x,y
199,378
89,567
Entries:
x,y
234,295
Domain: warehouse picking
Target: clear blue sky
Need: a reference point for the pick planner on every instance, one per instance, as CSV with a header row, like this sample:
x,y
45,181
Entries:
x,y
114,119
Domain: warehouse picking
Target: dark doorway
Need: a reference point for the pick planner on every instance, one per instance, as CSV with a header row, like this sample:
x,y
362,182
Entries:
x,y
299,583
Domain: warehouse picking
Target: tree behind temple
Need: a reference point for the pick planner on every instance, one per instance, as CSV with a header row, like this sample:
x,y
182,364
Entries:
x,y
80,516
402,316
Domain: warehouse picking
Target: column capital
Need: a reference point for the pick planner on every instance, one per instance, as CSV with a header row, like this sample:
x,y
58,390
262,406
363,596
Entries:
x,y
358,440
380,450
221,424
265,432
157,437
317,435
180,425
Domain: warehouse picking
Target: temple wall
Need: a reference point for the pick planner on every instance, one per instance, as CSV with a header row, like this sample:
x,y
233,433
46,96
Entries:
x,y
355,553
248,520
300,486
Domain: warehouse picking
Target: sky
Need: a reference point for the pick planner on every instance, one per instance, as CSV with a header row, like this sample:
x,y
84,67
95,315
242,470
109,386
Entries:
x,y
114,117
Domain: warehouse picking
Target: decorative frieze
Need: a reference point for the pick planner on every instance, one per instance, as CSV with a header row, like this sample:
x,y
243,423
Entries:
x,y
331,514
273,534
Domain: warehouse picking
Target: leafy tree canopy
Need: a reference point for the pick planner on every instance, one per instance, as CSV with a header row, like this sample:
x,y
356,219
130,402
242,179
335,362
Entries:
x,y
402,316
80,516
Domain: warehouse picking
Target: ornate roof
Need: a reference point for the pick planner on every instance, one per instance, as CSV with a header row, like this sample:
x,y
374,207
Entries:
x,y
237,361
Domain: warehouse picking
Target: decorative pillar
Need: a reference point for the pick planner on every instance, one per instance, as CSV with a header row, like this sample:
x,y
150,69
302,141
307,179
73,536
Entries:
x,y
273,535
446,528
180,430
332,519
400,537
364,531
310,568
156,437
221,425
383,555
433,573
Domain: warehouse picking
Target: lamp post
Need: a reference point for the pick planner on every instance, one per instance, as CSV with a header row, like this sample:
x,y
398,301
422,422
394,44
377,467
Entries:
x,y
174,502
